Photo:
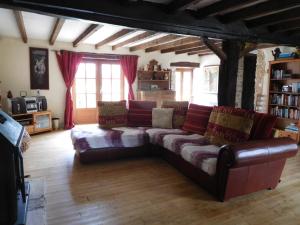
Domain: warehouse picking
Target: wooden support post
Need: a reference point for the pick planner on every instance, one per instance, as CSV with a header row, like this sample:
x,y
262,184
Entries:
x,y
228,73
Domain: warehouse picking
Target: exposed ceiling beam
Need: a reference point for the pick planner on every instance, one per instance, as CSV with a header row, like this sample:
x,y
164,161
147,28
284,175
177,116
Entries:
x,y
21,25
180,47
249,47
200,52
179,4
204,54
184,64
212,46
56,29
220,6
147,16
274,18
259,10
284,26
87,33
114,37
183,41
139,37
158,41
199,48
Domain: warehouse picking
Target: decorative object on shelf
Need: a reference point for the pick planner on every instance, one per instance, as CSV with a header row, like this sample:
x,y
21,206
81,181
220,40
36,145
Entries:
x,y
9,94
39,68
276,53
292,55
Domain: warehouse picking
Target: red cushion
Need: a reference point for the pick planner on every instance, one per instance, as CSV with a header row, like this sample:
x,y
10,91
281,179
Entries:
x,y
262,126
140,113
197,118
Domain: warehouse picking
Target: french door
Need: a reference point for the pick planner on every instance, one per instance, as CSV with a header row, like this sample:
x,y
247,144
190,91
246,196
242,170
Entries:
x,y
95,80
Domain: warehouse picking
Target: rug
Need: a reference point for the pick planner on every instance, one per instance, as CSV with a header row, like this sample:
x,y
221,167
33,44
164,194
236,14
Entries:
x,y
36,214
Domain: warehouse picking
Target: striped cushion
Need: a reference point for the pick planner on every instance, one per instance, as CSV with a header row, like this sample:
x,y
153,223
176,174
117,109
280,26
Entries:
x,y
180,110
197,119
140,113
112,114
229,125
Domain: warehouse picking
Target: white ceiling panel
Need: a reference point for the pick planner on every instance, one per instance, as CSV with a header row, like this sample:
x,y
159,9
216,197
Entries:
x,y
38,26
8,24
103,33
71,30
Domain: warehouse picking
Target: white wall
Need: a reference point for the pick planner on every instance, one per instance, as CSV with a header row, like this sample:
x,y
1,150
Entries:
x,y
15,69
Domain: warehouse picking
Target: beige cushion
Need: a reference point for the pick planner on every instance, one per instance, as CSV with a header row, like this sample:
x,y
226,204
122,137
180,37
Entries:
x,y
162,117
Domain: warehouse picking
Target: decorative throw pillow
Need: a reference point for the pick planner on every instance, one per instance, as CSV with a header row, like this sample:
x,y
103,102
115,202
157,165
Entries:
x,y
180,110
162,117
140,113
228,125
197,119
112,114
262,126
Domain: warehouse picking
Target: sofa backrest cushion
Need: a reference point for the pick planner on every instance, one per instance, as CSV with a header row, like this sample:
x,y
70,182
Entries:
x,y
197,118
112,114
140,113
229,125
262,126
180,110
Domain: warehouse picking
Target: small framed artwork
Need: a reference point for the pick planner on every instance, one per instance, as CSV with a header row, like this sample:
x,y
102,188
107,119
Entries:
x,y
39,68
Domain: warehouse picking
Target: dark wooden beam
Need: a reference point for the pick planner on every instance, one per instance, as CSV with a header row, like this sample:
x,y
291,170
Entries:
x,y
21,25
228,73
190,50
139,37
248,47
158,41
279,17
114,37
214,48
285,26
220,6
87,33
147,16
259,10
172,44
200,52
56,29
185,64
204,54
180,47
179,4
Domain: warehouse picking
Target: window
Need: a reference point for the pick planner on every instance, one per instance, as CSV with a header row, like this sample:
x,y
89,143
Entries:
x,y
183,84
112,82
85,86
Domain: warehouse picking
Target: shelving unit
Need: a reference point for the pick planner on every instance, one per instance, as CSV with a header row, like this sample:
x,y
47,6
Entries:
x,y
36,122
154,80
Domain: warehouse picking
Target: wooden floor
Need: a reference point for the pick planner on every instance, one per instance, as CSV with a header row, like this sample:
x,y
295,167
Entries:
x,y
147,191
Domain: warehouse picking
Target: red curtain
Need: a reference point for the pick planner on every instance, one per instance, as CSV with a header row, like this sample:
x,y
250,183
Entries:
x,y
129,67
68,63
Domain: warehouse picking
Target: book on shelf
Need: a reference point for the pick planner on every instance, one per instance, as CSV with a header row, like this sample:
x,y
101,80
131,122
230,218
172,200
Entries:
x,y
285,112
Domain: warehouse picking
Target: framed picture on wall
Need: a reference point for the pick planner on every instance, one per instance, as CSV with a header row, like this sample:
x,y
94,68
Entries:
x,y
39,68
211,74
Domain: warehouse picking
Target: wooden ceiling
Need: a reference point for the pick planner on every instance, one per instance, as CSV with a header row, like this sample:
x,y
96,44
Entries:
x,y
255,21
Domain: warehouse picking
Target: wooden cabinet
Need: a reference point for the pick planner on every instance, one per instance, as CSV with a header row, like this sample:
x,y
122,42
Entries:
x,y
154,80
158,96
36,122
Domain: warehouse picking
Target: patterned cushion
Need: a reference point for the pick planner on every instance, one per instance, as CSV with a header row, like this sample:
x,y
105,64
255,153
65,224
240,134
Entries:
x,y
112,114
180,110
262,126
156,135
197,118
203,157
229,125
162,118
140,113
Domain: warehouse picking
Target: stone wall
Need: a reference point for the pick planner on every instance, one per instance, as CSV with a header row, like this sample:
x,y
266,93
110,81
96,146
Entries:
x,y
239,84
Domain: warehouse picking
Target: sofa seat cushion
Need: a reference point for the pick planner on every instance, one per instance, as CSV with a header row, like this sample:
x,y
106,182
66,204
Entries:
x,y
89,137
197,119
140,113
203,157
228,125
180,110
156,135
175,142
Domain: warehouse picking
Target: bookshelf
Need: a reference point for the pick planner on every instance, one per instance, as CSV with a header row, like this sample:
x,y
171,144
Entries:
x,y
284,89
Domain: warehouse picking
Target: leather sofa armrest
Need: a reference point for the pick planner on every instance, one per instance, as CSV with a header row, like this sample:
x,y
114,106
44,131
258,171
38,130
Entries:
x,y
260,151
